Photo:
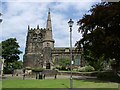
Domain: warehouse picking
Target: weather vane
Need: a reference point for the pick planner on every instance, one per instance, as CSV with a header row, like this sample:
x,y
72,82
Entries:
x,y
49,9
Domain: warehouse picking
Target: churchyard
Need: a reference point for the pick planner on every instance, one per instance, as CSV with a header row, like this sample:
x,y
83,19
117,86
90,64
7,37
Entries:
x,y
94,62
59,83
62,81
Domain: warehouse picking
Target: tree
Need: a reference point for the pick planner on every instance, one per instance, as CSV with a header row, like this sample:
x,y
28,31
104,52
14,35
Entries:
x,y
18,65
0,19
64,62
100,31
10,52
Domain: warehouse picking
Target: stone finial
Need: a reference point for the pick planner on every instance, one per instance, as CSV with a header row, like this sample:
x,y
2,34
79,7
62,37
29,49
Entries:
x,y
49,11
28,27
37,26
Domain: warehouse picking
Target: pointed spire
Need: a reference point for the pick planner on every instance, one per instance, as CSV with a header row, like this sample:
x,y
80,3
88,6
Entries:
x,y
37,26
49,25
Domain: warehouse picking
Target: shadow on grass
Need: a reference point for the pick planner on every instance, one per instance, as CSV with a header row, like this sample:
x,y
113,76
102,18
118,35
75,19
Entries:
x,y
93,79
64,85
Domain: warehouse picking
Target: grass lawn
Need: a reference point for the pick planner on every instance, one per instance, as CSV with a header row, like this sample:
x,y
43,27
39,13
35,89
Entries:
x,y
58,83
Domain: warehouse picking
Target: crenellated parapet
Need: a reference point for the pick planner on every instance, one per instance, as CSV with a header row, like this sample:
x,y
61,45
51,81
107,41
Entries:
x,y
36,28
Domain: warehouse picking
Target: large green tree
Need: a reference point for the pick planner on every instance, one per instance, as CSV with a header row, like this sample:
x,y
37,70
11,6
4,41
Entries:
x,y
10,52
101,32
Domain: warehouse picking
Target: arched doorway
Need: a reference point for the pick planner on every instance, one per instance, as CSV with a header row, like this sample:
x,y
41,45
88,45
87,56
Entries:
x,y
47,65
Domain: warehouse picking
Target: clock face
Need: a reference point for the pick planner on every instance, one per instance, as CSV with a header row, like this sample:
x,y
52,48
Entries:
x,y
37,31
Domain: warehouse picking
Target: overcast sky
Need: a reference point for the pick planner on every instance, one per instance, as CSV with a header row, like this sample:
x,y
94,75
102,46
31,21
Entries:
x,y
18,14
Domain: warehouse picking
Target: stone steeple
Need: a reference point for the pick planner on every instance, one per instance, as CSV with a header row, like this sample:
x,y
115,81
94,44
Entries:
x,y
40,51
48,41
49,25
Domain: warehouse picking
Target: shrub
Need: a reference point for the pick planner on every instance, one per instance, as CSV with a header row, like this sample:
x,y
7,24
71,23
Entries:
x,y
108,76
64,62
86,69
58,67
82,69
37,69
7,71
62,68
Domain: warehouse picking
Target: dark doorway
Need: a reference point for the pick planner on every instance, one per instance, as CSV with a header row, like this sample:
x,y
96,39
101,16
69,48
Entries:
x,y
47,65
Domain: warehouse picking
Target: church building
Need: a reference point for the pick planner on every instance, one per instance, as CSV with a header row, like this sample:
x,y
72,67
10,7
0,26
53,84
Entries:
x,y
40,51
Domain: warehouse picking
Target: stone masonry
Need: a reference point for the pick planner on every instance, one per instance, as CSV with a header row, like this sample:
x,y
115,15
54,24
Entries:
x,y
40,51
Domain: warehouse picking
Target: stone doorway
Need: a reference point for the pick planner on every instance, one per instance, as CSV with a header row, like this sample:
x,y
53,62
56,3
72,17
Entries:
x,y
47,65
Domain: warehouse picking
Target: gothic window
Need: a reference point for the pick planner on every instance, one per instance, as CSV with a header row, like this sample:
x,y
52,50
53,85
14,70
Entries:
x,y
47,65
40,37
37,37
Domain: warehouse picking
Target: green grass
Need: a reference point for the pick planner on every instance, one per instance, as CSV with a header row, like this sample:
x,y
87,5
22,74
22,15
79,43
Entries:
x,y
58,83
0,84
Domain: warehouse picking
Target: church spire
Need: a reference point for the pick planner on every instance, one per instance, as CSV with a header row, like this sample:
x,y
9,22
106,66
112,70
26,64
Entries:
x,y
49,25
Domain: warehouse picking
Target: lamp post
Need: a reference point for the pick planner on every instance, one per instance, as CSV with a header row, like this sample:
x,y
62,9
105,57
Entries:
x,y
70,23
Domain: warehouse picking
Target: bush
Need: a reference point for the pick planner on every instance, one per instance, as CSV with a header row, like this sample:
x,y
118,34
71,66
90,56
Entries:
x,y
86,69
108,76
57,67
62,68
37,69
64,62
7,71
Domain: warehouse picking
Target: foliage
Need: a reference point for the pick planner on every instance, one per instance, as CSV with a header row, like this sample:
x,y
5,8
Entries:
x,y
8,69
64,63
98,64
18,65
100,31
58,67
86,69
109,76
10,52
12,66
37,69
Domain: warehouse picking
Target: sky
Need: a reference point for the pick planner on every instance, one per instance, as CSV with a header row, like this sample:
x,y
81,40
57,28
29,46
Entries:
x,y
18,14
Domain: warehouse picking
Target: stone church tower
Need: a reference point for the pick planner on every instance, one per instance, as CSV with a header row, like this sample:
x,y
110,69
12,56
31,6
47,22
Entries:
x,y
39,45
40,51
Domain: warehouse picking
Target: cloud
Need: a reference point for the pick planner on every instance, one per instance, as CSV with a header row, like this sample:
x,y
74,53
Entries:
x,y
17,15
52,0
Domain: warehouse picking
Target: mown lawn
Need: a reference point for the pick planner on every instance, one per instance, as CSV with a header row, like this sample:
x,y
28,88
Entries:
x,y
58,83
